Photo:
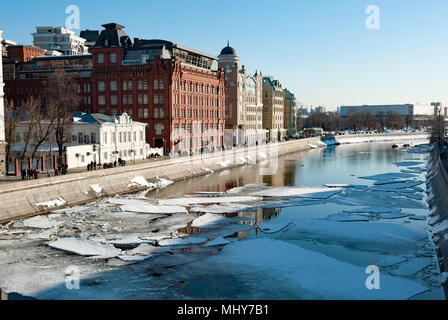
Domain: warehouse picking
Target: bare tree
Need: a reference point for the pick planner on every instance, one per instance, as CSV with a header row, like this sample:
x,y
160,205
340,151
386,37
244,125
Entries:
x,y
63,101
30,115
10,130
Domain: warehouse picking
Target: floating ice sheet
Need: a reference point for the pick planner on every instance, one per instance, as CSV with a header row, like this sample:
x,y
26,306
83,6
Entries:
x,y
41,222
153,209
295,268
303,192
189,201
411,267
344,217
84,247
389,176
217,242
209,220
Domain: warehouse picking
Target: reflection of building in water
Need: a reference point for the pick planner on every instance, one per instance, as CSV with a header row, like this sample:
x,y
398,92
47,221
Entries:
x,y
285,175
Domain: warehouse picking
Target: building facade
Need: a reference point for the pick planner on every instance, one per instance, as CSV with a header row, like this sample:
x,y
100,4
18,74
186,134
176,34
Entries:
x,y
91,36
178,91
290,114
244,106
23,53
59,39
415,115
94,138
273,109
2,113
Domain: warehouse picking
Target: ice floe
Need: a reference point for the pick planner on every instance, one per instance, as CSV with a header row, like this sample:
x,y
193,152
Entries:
x,y
180,241
152,209
394,215
411,267
372,236
41,222
391,261
209,220
408,163
389,176
84,247
273,227
344,217
440,228
296,268
304,192
217,242
189,201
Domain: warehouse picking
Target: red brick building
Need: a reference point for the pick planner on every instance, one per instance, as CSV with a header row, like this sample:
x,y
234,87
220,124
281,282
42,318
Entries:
x,y
23,53
178,91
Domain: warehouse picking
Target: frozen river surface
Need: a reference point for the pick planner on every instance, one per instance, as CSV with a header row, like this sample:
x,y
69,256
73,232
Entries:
x,y
305,226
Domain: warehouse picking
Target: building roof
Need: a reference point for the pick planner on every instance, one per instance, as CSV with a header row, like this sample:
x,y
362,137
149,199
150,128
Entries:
x,y
90,35
113,36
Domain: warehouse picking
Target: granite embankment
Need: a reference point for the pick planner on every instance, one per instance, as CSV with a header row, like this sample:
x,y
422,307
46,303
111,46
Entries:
x,y
21,199
437,189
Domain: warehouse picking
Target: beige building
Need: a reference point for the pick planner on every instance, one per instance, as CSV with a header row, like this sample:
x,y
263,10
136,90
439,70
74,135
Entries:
x,y
273,109
244,105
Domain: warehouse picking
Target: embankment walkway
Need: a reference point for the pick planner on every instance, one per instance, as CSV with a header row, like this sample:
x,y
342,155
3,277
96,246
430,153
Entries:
x,y
20,199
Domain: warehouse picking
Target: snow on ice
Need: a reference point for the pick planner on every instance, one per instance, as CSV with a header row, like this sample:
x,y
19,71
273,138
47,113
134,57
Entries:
x,y
84,247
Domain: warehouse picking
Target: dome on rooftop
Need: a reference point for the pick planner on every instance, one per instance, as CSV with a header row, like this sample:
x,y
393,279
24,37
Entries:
x,y
228,50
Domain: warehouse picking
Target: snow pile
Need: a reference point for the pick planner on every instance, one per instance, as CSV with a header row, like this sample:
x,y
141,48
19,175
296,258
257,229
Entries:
x,y
41,222
96,188
44,235
84,247
140,181
312,146
263,155
224,163
163,183
53,203
208,170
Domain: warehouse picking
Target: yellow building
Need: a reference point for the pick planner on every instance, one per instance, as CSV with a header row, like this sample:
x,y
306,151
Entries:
x,y
273,109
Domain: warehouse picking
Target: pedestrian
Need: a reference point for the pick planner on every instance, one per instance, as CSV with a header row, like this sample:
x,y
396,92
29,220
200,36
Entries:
x,y
36,174
23,174
94,165
56,172
30,174
88,167
115,164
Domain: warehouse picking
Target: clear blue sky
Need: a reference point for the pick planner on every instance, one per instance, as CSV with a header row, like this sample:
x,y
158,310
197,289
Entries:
x,y
320,49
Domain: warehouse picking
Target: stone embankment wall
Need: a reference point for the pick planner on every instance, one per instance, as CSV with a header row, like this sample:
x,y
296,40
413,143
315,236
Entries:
x,y
437,189
19,199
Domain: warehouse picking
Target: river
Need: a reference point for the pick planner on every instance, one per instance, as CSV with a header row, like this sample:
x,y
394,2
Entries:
x,y
280,245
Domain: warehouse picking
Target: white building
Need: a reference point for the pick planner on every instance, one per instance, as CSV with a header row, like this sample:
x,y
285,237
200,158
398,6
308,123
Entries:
x,y
2,111
96,138
59,39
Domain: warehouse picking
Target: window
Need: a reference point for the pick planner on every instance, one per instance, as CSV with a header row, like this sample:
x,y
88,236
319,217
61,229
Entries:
x,y
161,99
100,58
130,85
125,85
113,111
159,129
145,99
113,100
101,100
145,84
156,84
145,113
113,57
140,99
161,113
156,99
156,113
140,85
140,113
113,86
161,84
101,86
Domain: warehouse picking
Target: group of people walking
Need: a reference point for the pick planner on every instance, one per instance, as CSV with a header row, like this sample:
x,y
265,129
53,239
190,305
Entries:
x,y
96,166
29,174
